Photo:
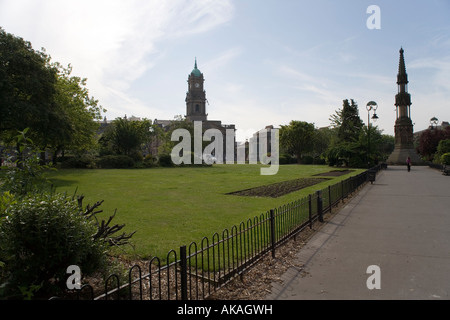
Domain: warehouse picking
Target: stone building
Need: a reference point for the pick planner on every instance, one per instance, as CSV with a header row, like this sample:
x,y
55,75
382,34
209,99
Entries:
x,y
404,135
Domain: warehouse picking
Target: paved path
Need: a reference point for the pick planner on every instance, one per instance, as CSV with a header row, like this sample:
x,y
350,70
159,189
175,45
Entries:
x,y
401,224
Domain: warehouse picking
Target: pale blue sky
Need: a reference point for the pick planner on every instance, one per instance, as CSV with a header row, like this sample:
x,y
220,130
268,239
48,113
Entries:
x,y
265,61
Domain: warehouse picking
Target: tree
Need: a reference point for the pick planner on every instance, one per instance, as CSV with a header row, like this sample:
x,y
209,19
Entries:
x,y
44,97
347,121
347,148
323,137
429,141
76,127
125,137
27,87
297,138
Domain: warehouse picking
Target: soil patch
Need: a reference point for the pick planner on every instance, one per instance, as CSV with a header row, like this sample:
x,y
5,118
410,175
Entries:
x,y
279,189
335,173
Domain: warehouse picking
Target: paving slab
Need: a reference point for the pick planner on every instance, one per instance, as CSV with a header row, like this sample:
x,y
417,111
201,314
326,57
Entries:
x,y
400,224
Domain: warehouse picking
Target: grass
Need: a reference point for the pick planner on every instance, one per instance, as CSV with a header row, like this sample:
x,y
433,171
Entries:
x,y
170,207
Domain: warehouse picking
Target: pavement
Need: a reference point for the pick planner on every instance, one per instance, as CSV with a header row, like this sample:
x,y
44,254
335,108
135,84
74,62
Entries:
x,y
390,242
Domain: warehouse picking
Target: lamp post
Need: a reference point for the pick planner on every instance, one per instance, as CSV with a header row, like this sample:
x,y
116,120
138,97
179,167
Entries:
x,y
433,123
371,105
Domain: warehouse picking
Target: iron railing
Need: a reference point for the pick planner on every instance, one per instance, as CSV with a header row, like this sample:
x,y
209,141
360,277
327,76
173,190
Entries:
x,y
196,271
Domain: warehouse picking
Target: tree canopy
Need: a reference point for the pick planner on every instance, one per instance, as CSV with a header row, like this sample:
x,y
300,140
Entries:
x,y
43,96
350,146
297,138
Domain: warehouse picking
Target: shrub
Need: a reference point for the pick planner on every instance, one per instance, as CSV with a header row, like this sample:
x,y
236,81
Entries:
x,y
165,160
86,161
116,162
445,158
41,236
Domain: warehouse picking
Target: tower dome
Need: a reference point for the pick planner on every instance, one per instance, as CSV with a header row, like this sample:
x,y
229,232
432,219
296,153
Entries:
x,y
196,72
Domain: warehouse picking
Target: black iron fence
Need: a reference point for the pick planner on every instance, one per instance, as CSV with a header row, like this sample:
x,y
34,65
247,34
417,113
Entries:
x,y
196,271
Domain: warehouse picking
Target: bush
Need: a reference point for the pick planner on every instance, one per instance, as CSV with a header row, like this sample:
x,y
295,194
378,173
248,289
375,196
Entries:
x,y
86,161
41,236
307,160
286,159
115,162
165,160
445,158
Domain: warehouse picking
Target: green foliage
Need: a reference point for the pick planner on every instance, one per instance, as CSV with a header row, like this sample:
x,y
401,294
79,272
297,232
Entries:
x,y
75,128
347,121
26,87
6,199
43,96
351,146
429,142
165,160
443,148
84,161
28,175
297,138
445,158
115,162
44,234
125,137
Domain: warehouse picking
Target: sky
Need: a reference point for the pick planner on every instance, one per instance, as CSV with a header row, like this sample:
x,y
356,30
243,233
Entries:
x,y
265,62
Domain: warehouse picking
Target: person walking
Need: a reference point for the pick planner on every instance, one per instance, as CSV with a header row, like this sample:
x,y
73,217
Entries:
x,y
408,163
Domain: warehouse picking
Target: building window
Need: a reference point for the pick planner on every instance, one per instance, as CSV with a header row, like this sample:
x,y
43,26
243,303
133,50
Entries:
x,y
197,108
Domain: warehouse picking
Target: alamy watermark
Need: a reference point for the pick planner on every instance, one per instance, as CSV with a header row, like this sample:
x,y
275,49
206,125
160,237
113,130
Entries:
x,y
374,280
264,148
74,280
374,20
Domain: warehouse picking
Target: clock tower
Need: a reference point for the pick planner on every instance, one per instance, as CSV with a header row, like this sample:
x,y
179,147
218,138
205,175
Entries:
x,y
196,96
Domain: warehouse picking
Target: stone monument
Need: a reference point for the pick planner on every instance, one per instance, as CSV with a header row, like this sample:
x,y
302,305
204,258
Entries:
x,y
404,138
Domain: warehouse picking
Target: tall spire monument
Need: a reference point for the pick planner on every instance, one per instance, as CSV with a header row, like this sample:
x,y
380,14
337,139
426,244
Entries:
x,y
404,144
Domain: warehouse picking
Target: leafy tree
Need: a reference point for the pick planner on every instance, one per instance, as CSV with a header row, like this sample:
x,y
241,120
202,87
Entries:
x,y
126,137
297,138
443,147
323,137
44,97
27,87
27,176
429,141
165,136
76,127
347,121
347,146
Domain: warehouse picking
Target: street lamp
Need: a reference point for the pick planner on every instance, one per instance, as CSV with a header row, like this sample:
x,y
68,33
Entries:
x,y
371,105
433,123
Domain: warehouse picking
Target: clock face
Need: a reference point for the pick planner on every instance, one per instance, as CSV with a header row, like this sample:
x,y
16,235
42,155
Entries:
x,y
197,85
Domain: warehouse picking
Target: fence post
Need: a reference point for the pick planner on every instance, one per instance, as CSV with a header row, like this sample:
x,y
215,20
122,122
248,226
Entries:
x,y
329,197
320,205
183,272
310,211
272,231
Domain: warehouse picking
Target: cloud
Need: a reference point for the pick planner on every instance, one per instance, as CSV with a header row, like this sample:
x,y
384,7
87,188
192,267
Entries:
x,y
110,42
214,65
440,69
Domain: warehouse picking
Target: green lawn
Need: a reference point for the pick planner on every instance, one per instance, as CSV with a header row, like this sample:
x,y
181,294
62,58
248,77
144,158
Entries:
x,y
170,207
